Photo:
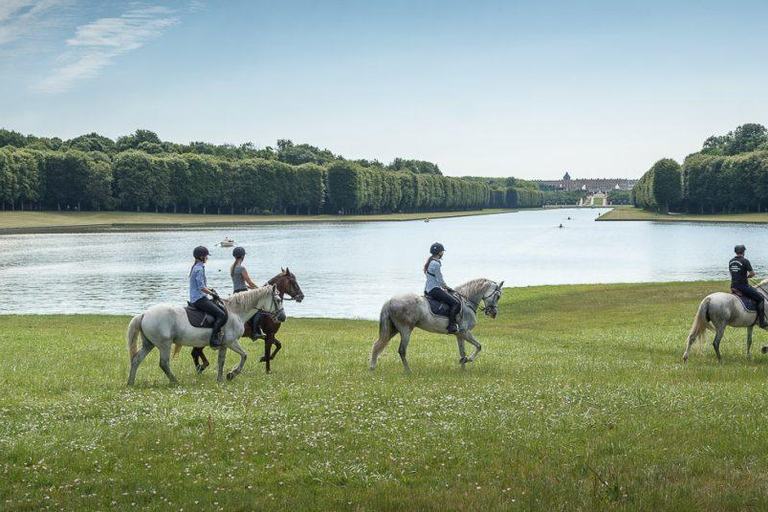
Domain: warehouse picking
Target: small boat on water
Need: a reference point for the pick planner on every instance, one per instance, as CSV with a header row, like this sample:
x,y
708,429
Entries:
x,y
227,242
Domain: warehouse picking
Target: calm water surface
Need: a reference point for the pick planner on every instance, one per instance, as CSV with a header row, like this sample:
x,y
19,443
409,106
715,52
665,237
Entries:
x,y
348,270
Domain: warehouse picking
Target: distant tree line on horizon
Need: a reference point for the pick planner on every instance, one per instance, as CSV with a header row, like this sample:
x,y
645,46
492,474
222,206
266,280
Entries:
x,y
140,172
728,175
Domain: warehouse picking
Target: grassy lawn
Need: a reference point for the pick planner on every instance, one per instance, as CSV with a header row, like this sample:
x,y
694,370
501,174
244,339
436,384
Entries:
x,y
632,213
598,201
579,400
57,221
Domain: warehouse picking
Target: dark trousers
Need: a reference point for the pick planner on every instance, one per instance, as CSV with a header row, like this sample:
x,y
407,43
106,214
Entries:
x,y
213,309
447,298
753,294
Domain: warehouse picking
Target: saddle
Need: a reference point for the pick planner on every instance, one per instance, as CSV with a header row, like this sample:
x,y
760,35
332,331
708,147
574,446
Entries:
x,y
746,302
199,318
441,308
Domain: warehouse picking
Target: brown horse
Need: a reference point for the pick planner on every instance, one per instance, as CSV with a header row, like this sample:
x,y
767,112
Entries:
x,y
286,284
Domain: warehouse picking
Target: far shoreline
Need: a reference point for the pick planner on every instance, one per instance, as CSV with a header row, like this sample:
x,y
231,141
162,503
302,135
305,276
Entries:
x,y
24,223
632,214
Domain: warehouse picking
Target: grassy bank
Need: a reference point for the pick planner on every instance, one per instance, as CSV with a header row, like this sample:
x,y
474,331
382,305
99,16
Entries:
x,y
32,222
632,213
579,400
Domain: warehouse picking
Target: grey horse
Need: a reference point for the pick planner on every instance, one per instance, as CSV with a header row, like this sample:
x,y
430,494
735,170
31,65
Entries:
x,y
718,311
164,325
403,313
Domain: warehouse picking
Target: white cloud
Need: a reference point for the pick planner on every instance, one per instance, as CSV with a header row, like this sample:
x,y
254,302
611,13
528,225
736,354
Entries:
x,y
97,44
20,19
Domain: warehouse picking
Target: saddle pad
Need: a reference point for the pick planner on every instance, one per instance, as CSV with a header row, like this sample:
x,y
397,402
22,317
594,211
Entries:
x,y
198,318
748,303
438,308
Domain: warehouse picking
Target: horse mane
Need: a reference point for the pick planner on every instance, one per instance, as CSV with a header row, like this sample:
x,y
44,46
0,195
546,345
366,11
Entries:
x,y
472,287
246,300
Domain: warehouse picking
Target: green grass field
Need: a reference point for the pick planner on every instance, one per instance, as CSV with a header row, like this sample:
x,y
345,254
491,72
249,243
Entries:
x,y
27,222
598,201
579,400
632,213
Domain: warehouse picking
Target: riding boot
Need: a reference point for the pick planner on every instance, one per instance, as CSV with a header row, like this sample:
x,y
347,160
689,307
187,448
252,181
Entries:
x,y
453,327
761,316
215,333
256,332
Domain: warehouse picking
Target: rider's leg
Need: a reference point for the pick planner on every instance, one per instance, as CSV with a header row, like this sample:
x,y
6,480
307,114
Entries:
x,y
753,294
453,304
256,331
218,313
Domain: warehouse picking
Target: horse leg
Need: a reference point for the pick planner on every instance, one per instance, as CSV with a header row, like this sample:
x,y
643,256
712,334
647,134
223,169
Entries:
x,y
716,342
222,360
462,351
197,354
405,337
749,341
243,356
278,346
146,348
267,348
165,359
471,338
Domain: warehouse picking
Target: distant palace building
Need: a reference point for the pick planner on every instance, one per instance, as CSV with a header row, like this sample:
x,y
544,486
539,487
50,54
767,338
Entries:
x,y
593,186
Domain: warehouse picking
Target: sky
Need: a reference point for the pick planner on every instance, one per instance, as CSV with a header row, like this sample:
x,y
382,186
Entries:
x,y
486,88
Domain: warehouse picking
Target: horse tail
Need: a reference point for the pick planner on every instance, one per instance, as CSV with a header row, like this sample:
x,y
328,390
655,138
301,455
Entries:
x,y
387,330
176,349
132,337
701,323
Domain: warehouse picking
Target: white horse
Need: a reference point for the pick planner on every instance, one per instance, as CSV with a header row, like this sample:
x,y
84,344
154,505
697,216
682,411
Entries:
x,y
403,313
163,325
722,310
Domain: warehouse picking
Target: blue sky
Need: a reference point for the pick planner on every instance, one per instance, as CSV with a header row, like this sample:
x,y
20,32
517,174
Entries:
x,y
529,89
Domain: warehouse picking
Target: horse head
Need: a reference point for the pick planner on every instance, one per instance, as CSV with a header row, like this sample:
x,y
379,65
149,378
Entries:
x,y
285,282
491,299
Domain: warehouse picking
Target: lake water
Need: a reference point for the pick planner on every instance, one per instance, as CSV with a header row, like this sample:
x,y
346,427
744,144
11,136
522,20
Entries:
x,y
347,270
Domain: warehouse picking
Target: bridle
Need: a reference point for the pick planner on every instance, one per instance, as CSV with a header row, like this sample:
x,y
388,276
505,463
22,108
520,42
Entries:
x,y
278,307
476,305
274,280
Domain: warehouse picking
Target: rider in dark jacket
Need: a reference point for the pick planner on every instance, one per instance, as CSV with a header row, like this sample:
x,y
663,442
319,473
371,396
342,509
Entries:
x,y
241,282
741,270
199,292
436,287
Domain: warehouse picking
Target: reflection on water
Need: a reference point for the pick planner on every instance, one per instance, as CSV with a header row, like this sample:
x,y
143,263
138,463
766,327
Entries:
x,y
349,270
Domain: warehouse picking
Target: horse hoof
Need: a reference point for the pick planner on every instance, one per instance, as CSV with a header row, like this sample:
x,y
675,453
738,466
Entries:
x,y
464,360
230,376
263,359
764,350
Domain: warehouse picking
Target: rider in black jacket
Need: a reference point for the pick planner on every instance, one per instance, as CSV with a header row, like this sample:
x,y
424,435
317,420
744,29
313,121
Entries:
x,y
741,270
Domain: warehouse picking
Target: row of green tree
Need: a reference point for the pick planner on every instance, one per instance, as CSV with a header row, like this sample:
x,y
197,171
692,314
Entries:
x,y
149,142
140,172
729,174
138,181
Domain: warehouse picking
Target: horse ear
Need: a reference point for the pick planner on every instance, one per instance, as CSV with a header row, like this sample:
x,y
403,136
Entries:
x,y
501,284
287,272
282,270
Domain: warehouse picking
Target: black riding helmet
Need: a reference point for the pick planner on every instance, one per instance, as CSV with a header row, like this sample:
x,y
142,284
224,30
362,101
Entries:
x,y
238,253
436,248
200,252
739,249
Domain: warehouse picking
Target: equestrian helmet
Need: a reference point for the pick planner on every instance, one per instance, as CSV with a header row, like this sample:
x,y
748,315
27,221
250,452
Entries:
x,y
238,253
739,249
436,248
200,252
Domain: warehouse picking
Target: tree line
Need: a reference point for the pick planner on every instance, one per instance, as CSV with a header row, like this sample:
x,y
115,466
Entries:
x,y
729,174
139,172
